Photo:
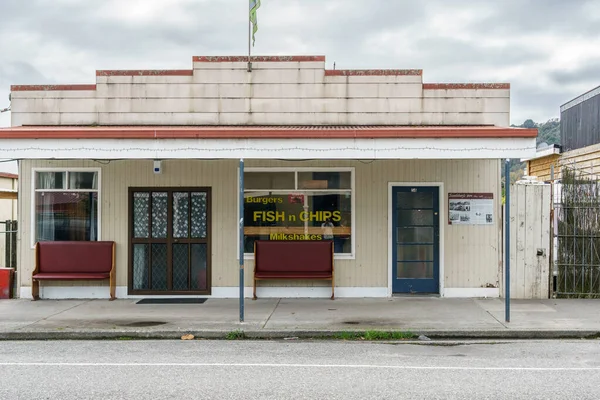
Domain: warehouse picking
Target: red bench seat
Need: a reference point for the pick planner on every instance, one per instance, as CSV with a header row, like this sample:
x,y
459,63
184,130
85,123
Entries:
x,y
293,275
69,276
302,259
74,260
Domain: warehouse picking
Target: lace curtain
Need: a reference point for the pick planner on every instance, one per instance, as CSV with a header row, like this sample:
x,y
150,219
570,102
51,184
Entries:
x,y
68,214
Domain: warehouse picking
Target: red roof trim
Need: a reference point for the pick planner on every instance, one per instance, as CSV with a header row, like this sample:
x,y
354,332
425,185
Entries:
x,y
371,72
9,176
37,88
434,86
257,58
264,132
146,72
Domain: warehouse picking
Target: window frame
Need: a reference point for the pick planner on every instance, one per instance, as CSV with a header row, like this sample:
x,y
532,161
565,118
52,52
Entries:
x,y
34,172
296,170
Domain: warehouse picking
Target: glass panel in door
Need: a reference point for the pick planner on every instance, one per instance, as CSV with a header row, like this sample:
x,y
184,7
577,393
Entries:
x,y
415,240
169,235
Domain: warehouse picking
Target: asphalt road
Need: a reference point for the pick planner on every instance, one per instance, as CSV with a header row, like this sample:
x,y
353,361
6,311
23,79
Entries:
x,y
202,369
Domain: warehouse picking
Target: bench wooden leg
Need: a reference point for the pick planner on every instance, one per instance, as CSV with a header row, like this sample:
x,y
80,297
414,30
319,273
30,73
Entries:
x,y
113,284
112,292
332,289
35,290
254,292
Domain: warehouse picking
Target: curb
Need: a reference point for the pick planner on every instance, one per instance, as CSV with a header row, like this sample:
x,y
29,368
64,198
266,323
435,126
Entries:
x,y
306,335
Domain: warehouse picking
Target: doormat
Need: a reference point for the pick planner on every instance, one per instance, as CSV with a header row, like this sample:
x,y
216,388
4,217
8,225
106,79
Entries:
x,y
183,300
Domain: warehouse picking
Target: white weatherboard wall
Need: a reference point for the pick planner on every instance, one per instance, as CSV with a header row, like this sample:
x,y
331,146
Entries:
x,y
274,93
529,232
471,258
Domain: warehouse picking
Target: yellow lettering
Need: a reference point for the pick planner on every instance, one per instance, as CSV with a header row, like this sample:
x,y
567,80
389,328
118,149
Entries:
x,y
320,216
272,216
258,215
304,216
337,216
264,200
294,236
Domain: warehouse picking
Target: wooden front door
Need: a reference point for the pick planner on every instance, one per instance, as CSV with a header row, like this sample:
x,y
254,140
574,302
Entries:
x,y
169,241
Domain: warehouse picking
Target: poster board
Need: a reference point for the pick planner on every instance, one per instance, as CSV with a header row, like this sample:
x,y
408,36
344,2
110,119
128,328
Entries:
x,y
470,208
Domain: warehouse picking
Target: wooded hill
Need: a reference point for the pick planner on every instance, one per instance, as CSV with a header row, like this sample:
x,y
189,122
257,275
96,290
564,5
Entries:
x,y
548,132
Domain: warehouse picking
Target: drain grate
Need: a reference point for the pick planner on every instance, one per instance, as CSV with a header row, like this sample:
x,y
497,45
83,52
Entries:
x,y
172,301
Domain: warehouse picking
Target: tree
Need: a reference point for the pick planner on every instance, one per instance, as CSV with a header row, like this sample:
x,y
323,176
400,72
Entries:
x,y
548,132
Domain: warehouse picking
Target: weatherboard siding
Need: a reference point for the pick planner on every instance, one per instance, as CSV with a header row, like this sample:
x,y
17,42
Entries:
x,y
471,256
586,161
542,167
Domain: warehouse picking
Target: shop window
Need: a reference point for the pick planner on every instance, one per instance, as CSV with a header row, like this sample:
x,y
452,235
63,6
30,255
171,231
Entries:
x,y
298,205
66,205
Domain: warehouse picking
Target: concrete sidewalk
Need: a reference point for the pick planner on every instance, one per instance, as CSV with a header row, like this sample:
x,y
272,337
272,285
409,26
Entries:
x,y
282,318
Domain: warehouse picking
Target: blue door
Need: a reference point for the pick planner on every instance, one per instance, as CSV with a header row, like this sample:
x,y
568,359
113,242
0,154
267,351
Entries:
x,y
415,239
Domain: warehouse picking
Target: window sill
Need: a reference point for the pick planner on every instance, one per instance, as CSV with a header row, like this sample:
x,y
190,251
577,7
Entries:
x,y
345,256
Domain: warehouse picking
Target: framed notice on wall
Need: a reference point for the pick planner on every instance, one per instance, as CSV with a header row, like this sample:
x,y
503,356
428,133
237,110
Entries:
x,y
470,208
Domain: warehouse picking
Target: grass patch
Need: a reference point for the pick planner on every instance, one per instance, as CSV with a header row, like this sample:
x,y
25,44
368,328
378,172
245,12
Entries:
x,y
375,335
380,335
125,338
235,335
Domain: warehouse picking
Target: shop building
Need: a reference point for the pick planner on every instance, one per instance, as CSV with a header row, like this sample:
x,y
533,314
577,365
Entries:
x,y
407,173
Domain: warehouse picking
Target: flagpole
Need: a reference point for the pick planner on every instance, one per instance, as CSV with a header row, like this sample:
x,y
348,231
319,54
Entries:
x,y
249,39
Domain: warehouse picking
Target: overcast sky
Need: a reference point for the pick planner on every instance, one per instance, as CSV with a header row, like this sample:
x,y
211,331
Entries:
x,y
549,50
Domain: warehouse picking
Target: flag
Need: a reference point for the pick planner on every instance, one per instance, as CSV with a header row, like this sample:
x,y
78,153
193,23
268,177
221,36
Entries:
x,y
254,4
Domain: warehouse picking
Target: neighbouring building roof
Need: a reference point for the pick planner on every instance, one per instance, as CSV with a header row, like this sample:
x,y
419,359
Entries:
x,y
8,175
581,98
553,149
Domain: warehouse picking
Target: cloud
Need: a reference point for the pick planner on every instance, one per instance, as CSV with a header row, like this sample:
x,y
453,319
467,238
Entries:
x,y
546,49
17,72
514,17
587,74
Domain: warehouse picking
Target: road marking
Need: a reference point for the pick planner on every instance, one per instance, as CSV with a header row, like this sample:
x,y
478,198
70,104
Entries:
x,y
254,365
